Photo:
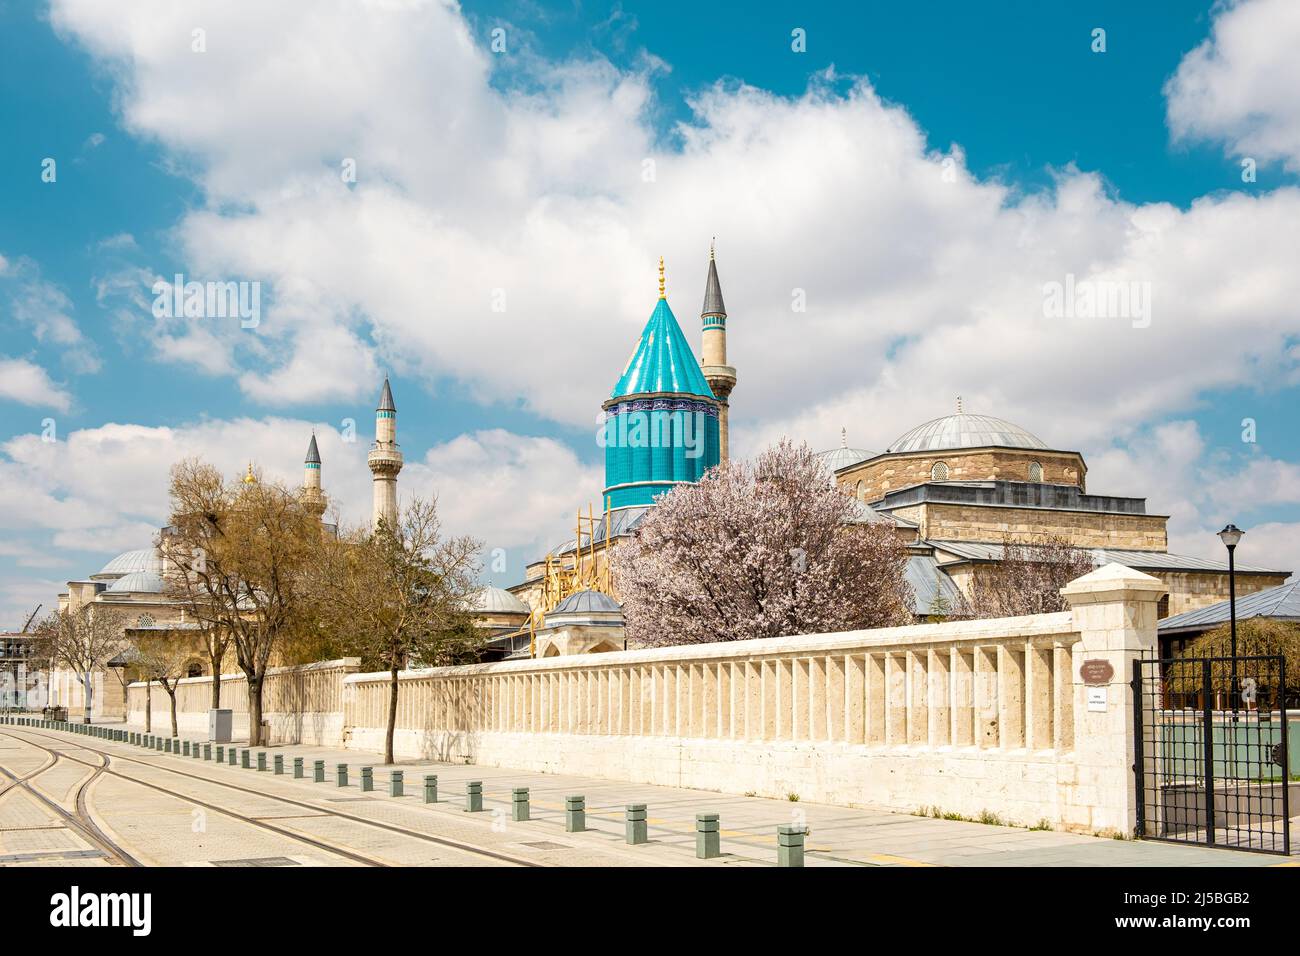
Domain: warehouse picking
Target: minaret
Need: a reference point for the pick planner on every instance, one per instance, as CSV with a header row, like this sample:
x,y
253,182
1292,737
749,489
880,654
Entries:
x,y
713,362
311,488
385,460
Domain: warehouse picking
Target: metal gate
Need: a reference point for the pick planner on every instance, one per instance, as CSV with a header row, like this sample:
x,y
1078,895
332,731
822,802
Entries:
x,y
1212,761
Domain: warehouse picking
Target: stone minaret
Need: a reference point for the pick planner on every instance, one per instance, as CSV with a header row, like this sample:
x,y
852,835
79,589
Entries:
x,y
713,362
311,487
385,459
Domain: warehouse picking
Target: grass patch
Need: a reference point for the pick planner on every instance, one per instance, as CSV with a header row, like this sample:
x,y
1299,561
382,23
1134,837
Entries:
x,y
792,797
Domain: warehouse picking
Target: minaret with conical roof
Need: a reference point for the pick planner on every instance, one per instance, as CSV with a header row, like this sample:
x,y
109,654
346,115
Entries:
x,y
311,486
385,459
713,361
661,420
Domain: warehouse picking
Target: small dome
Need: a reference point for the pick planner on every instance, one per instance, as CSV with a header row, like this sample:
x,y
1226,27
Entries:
x,y
587,602
143,559
838,458
494,600
138,582
964,430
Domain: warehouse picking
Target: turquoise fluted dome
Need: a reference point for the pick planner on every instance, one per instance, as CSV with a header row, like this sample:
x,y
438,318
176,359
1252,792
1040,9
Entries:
x,y
661,421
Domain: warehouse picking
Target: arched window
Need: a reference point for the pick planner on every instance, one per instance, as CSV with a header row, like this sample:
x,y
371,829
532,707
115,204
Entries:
x,y
144,620
1035,472
857,491
939,472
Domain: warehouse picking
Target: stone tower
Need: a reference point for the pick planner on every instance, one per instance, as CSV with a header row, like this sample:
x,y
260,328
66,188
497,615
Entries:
x,y
713,360
311,487
385,459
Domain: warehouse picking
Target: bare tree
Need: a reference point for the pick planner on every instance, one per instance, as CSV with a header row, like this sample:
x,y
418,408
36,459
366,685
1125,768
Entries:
x,y
248,545
162,658
759,550
398,596
1027,580
84,641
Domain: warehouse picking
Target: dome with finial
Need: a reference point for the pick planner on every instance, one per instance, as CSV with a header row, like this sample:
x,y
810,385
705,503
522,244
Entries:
x,y
964,430
662,360
837,458
249,477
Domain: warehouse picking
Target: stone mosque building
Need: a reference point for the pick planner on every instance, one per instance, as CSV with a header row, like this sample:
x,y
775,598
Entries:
x,y
955,489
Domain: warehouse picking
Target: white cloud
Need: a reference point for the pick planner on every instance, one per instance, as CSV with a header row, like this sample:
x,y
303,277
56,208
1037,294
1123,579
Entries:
x,y
1239,86
46,309
23,381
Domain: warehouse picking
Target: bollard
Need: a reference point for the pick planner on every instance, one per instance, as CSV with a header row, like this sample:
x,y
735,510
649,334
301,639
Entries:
x,y
637,831
297,768
261,760
279,764
519,804
194,751
230,755
207,751
221,754
185,749
318,771
244,761
789,845
367,779
707,836
395,783
474,796
167,746
342,771
430,788
575,814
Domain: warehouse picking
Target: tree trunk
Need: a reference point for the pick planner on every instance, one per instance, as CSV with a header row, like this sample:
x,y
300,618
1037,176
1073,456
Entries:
x,y
89,698
215,663
148,707
392,716
254,712
175,731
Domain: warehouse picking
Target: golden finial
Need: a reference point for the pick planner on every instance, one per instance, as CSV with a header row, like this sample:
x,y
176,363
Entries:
x,y
249,477
661,278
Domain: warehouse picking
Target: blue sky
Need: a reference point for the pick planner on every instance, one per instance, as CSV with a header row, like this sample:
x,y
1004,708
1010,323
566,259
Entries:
x,y
520,170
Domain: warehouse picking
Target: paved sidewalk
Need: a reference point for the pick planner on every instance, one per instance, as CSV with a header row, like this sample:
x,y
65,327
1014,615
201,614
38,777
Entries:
x,y
839,836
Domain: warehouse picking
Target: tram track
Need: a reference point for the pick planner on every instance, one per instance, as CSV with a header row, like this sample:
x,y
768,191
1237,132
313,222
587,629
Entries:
x,y
457,845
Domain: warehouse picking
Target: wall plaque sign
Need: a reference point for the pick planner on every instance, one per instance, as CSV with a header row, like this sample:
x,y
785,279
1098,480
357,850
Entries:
x,y
1096,672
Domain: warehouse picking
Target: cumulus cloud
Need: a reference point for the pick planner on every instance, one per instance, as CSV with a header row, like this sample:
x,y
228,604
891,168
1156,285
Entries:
x,y
28,383
45,309
1239,86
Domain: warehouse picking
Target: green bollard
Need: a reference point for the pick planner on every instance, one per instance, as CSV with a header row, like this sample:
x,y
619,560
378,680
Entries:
x,y
430,788
244,761
367,779
261,760
474,796
519,804
207,751
637,831
575,814
395,783
230,755
707,836
221,754
341,770
789,845
318,771
297,768
194,751
185,749
279,764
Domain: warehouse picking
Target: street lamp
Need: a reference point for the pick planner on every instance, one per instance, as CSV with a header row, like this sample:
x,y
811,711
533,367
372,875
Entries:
x,y
1231,536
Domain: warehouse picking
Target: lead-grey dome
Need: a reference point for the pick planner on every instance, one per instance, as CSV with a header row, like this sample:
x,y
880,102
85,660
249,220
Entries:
x,y
494,600
142,559
138,582
964,430
838,458
587,602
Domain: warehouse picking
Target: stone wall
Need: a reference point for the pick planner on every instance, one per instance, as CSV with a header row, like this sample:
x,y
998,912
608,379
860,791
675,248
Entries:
x,y
1085,529
870,480
1189,590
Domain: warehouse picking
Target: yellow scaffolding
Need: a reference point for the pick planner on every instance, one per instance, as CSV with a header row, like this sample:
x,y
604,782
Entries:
x,y
585,568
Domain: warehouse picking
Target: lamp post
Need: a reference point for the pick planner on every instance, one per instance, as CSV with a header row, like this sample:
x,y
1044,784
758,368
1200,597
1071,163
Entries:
x,y
1230,536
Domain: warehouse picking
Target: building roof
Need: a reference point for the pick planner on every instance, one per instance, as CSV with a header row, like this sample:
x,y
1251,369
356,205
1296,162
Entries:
x,y
842,457
933,592
142,559
713,304
138,582
622,521
494,600
313,453
386,399
1282,602
662,360
964,430
587,602
1138,560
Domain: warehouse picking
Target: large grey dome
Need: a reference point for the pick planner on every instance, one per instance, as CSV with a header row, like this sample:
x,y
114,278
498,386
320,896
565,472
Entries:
x,y
494,600
964,430
138,582
143,559
587,602
838,458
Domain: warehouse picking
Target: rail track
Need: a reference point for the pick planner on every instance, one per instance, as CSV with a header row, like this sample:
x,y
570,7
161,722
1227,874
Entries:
x,y
23,733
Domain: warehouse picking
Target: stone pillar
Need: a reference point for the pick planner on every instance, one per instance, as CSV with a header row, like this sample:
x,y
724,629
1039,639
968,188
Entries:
x,y
1114,611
